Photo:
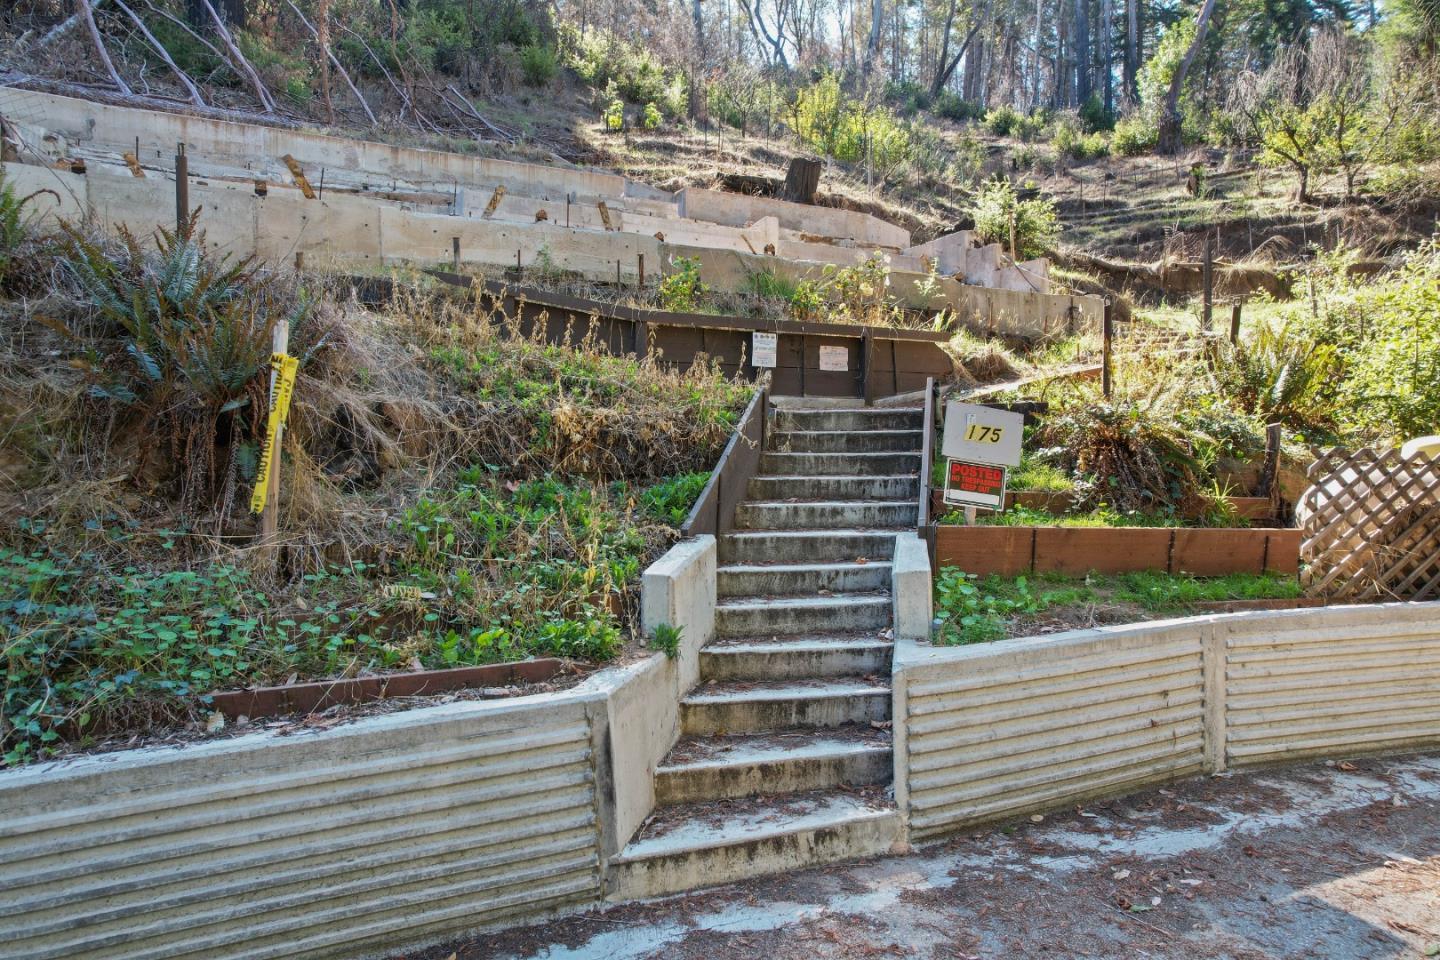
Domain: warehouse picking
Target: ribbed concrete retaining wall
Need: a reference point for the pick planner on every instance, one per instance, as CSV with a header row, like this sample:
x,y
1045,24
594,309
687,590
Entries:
x,y
1004,729
391,830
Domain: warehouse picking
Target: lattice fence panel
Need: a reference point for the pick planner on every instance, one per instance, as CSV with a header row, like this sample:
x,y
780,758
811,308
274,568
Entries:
x,y
1371,522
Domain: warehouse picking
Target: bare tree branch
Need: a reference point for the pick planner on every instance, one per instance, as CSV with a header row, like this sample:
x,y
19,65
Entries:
x,y
159,48
239,60
326,51
86,14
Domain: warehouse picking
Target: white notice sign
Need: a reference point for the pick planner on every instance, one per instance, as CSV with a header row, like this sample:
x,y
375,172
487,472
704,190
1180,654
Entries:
x,y
982,434
762,349
835,358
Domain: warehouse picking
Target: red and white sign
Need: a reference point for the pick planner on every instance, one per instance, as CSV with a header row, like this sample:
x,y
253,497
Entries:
x,y
974,485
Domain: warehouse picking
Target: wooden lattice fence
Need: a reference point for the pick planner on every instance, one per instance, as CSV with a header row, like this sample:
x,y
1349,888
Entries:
x,y
1371,526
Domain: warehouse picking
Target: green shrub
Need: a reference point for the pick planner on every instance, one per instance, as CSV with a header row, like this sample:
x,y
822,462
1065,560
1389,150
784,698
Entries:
x,y
824,117
1134,135
187,339
538,65
1036,224
613,116
1002,120
807,301
952,106
681,290
1094,115
651,118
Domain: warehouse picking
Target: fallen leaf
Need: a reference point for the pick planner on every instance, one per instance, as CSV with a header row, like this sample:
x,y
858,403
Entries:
x,y
1120,874
215,722
1347,766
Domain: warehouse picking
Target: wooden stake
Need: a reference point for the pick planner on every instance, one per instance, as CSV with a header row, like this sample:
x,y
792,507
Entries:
x,y
455,253
1107,350
270,520
299,261
182,192
641,257
1208,279
1235,323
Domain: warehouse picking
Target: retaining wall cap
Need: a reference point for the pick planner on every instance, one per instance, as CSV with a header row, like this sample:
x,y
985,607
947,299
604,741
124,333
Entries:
x,y
910,653
90,764
674,561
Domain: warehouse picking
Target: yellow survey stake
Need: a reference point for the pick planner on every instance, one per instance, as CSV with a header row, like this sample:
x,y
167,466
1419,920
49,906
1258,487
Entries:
x,y
284,366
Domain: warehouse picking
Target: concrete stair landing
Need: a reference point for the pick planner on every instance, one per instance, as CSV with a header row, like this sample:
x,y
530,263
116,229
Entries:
x,y
785,757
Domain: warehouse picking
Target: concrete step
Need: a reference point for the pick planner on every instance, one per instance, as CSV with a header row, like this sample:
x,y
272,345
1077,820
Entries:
x,y
845,441
782,579
865,418
796,658
725,768
826,514
900,487
806,546
757,707
777,616
773,463
710,844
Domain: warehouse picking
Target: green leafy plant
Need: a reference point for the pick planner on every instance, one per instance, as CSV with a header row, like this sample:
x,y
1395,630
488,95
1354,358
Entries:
x,y
681,289
671,500
651,118
1001,214
667,640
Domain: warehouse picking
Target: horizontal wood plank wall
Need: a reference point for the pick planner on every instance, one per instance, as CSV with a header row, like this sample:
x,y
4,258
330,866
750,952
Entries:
x,y
900,361
1076,551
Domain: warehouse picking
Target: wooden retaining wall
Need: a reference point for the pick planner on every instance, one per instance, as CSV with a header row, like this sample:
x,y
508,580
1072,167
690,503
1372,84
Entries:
x,y
1076,551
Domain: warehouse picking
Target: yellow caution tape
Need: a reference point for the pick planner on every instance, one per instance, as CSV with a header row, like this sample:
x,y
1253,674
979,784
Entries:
x,y
284,366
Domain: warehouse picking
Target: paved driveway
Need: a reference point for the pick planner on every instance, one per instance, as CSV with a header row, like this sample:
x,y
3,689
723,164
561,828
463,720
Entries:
x,y
1336,860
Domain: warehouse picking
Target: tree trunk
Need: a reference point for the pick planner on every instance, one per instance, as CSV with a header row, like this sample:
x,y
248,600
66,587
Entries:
x,y
872,44
1132,50
1170,132
1107,54
698,15
1082,52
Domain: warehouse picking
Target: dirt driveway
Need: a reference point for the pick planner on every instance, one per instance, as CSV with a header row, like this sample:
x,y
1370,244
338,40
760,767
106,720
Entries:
x,y
1336,860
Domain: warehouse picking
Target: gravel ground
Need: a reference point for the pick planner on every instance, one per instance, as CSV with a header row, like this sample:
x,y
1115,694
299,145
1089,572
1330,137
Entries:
x,y
1337,860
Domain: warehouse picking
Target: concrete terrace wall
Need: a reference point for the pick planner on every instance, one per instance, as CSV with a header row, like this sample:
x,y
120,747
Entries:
x,y
98,126
346,230
738,209
1004,729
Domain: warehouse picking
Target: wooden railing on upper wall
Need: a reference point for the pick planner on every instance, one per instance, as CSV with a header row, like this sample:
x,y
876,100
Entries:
x,y
879,361
714,512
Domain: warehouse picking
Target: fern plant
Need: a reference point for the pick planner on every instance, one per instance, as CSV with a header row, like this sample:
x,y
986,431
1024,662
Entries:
x,y
184,344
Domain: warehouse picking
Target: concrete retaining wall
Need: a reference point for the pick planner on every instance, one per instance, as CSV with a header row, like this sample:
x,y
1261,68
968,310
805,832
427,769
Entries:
x,y
338,843
392,831
1003,729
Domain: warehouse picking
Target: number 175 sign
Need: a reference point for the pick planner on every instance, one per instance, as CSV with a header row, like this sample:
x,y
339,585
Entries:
x,y
982,434
980,443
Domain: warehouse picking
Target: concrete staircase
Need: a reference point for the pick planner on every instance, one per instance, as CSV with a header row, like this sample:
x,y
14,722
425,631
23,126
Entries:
x,y
784,757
